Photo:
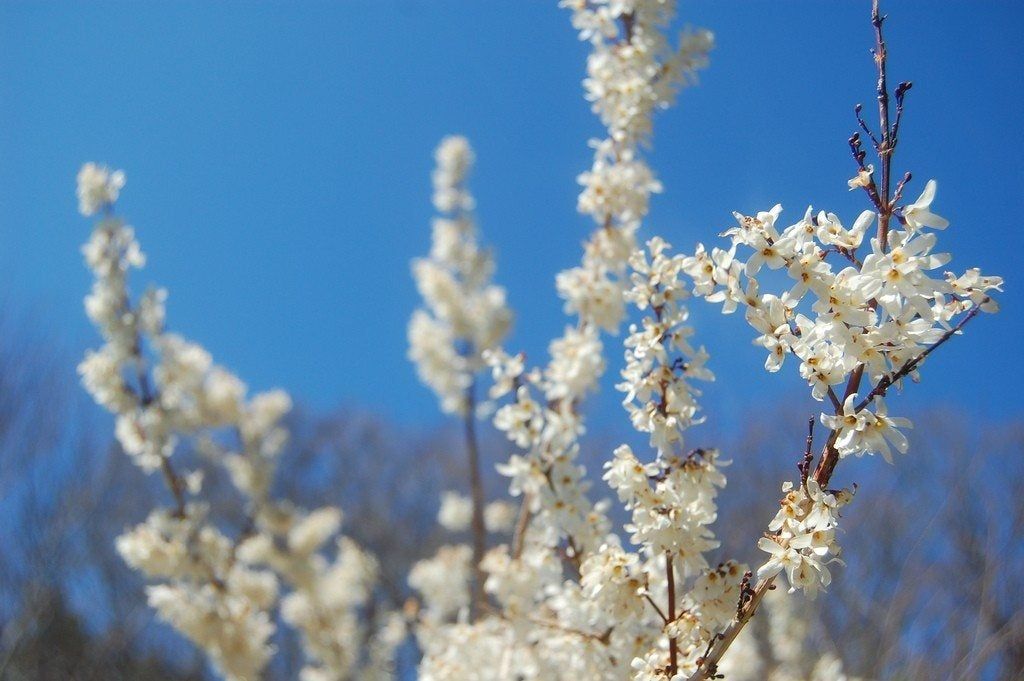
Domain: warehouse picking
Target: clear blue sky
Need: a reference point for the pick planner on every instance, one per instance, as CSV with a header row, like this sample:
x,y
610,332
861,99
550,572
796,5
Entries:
x,y
278,159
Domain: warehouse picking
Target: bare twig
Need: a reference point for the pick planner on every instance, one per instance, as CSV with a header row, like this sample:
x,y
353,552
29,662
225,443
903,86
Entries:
x,y
805,464
673,645
888,142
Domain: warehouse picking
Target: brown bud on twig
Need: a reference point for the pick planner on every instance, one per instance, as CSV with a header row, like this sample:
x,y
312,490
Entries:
x,y
864,126
899,187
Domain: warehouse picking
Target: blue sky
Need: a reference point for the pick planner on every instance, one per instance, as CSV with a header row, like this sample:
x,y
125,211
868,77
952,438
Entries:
x,y
278,159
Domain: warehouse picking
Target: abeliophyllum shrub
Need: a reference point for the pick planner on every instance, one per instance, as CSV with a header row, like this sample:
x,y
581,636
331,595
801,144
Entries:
x,y
219,590
856,320
566,599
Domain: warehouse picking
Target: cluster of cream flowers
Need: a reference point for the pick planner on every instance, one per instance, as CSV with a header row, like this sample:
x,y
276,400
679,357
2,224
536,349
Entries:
x,y
660,362
804,537
465,316
465,313
632,70
220,591
567,599
849,320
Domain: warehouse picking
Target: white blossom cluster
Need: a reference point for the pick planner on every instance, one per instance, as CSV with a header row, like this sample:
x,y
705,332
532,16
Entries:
x,y
660,362
873,315
632,70
443,583
465,313
166,393
671,499
567,600
859,321
804,536
672,504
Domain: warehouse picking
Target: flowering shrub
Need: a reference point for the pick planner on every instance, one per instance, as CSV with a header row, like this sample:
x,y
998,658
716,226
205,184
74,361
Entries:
x,y
218,589
554,589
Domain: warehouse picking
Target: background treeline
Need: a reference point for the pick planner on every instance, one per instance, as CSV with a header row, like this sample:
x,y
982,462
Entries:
x,y
933,586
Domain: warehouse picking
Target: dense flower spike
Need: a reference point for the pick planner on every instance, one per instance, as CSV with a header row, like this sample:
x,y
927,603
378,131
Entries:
x,y
660,363
843,316
857,323
465,313
632,71
465,318
600,623
166,393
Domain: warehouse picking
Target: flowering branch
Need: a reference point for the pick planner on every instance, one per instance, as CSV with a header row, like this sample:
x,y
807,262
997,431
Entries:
x,y
217,590
465,316
875,322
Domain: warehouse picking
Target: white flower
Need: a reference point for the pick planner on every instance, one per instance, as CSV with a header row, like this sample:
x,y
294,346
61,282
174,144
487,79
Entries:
x,y
456,512
864,432
499,516
919,214
310,533
98,188
443,581
862,179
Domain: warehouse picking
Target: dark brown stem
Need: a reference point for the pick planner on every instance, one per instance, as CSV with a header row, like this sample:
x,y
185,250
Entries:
x,y
805,464
522,524
901,93
175,484
836,403
673,645
147,395
476,488
884,202
898,194
864,126
887,143
661,613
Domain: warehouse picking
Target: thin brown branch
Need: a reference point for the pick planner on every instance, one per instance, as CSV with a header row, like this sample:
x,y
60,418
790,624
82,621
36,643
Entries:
x,y
673,645
476,487
805,464
522,524
661,613
888,380
901,93
864,126
175,484
836,402
898,194
887,145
